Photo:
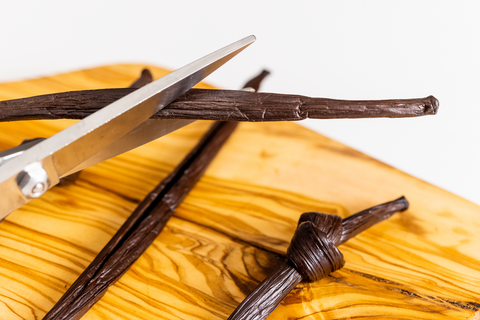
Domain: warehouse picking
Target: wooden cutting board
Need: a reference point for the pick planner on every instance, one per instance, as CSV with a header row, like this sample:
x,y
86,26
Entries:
x,y
231,230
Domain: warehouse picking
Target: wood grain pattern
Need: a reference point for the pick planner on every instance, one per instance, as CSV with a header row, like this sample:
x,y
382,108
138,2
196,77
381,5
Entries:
x,y
231,230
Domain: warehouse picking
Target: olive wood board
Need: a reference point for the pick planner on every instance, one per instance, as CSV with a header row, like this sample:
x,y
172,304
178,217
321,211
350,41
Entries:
x,y
232,229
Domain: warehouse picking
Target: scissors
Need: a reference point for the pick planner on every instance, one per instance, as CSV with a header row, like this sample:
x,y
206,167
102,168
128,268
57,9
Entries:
x,y
29,170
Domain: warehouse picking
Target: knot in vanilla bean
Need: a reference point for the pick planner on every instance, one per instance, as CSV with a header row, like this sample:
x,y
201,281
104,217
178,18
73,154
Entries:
x,y
313,249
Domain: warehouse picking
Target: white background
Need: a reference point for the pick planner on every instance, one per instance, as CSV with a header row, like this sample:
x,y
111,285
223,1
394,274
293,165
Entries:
x,y
343,50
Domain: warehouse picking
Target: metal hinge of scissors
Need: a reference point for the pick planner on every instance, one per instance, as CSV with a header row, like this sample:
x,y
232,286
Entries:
x,y
121,126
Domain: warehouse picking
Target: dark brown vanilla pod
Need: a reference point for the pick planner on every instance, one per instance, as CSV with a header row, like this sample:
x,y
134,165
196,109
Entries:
x,y
312,255
361,221
141,228
256,81
225,105
145,78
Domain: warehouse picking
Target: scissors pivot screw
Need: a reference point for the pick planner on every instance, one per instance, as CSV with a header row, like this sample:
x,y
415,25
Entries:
x,y
38,188
33,181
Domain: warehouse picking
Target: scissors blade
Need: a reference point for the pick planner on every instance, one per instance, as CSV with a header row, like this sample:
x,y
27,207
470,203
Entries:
x,y
67,149
144,133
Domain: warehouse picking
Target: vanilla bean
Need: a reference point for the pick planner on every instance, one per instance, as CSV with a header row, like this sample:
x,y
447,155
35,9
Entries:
x,y
145,78
305,262
224,105
141,228
256,81
143,225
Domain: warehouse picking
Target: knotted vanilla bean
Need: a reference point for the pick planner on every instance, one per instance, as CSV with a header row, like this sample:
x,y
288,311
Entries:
x,y
313,249
312,255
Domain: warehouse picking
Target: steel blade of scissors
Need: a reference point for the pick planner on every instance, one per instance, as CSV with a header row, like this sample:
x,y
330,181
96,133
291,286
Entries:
x,y
67,149
144,133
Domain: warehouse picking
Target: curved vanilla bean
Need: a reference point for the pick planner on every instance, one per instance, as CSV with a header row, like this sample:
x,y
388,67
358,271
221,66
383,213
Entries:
x,y
271,291
228,105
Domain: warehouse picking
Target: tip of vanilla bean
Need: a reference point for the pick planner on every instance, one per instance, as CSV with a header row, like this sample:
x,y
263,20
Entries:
x,y
358,222
256,81
402,200
145,78
432,106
